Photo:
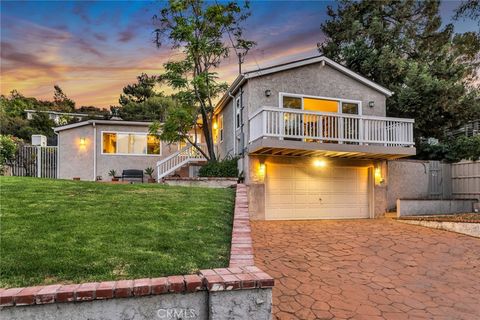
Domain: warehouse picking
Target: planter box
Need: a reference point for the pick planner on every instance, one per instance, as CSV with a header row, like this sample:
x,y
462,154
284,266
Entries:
x,y
207,182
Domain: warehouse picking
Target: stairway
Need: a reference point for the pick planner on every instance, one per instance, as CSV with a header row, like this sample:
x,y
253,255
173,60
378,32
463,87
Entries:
x,y
177,160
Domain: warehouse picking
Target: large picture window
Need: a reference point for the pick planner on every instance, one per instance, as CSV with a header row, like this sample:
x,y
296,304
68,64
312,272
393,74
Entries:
x,y
130,143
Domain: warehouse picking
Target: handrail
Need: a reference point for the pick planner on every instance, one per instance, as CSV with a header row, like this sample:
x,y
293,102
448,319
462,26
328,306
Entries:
x,y
330,114
283,123
187,154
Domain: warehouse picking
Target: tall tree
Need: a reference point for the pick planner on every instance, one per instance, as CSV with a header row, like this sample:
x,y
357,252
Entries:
x,y
469,9
61,102
205,33
402,46
141,102
140,91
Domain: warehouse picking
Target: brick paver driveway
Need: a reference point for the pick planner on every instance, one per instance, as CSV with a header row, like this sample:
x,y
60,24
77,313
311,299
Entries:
x,y
368,269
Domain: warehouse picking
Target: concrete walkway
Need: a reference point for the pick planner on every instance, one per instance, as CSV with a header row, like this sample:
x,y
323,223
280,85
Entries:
x,y
368,269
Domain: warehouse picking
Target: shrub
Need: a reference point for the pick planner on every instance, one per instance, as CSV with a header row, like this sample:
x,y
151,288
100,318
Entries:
x,y
222,168
8,147
452,150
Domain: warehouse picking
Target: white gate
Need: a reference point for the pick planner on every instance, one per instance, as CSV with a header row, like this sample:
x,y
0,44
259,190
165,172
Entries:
x,y
35,161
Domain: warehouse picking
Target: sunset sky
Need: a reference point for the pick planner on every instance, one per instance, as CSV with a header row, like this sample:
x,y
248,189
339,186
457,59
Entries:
x,y
93,49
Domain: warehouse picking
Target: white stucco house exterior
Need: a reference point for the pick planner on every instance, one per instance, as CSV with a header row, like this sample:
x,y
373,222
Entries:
x,y
312,138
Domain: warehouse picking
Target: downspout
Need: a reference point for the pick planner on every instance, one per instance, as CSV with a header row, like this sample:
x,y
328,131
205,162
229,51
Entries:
x,y
58,154
234,119
94,152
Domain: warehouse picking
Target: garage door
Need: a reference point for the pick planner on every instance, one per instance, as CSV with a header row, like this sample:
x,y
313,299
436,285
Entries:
x,y
306,192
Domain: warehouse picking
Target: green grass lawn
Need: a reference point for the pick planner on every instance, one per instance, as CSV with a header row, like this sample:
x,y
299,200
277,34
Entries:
x,y
57,231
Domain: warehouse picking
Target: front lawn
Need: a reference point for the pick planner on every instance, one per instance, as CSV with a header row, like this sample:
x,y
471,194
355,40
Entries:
x,y
57,231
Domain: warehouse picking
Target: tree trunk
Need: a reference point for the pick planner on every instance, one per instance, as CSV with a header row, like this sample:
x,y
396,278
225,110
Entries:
x,y
207,132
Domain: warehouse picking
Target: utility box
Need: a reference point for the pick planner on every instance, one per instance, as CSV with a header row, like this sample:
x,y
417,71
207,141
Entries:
x,y
39,140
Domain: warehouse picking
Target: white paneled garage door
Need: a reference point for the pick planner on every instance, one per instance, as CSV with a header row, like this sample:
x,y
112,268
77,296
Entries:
x,y
306,192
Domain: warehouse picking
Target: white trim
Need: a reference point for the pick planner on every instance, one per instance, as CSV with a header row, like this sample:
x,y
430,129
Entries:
x,y
335,65
106,122
339,100
95,152
129,154
345,115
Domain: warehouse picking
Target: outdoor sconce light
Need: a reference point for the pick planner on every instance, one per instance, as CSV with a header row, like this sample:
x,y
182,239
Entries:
x,y
82,141
371,104
268,93
215,125
378,175
261,170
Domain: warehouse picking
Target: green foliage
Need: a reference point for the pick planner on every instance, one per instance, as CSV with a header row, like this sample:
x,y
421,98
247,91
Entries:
x,y
112,173
201,31
222,168
140,91
56,231
13,116
153,108
8,148
403,46
149,172
61,102
453,150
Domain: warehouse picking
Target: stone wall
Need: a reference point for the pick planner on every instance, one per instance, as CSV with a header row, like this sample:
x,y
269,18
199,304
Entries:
x,y
201,182
422,207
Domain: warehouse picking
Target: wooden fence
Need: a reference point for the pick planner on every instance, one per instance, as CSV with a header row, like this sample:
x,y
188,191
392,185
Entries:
x,y
466,180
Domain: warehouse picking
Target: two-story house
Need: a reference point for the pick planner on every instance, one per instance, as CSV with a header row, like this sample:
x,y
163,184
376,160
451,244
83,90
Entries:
x,y
312,137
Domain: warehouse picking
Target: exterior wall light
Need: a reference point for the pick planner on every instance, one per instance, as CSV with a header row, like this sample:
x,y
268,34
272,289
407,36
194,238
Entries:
x,y
268,93
371,104
261,169
82,141
318,163
378,175
215,125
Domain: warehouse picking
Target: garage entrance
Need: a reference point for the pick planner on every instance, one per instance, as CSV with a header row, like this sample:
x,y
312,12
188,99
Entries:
x,y
308,192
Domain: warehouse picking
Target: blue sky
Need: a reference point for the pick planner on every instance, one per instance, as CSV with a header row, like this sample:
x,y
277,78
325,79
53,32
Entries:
x,y
93,49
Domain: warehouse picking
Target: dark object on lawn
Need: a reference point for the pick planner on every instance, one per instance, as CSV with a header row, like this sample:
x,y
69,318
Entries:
x,y
132,174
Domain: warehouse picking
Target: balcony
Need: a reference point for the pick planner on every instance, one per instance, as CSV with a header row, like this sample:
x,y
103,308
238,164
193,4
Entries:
x,y
300,132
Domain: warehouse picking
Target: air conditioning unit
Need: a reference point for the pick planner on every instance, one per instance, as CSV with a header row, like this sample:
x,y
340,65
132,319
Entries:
x,y
39,140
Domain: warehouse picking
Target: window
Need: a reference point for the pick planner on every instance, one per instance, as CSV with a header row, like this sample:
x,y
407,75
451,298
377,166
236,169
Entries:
x,y
130,143
349,108
320,105
191,136
237,113
292,102
220,127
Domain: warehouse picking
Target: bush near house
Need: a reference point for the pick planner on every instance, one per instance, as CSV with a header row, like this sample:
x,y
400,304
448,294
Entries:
x,y
222,168
452,150
58,231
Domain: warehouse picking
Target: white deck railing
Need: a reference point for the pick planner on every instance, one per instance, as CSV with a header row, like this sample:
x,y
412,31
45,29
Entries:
x,y
324,127
178,159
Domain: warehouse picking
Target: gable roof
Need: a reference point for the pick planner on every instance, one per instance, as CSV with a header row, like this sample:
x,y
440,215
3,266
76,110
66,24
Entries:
x,y
241,79
92,122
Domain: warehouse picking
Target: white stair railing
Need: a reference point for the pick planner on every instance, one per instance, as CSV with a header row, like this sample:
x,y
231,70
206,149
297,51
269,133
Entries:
x,y
177,160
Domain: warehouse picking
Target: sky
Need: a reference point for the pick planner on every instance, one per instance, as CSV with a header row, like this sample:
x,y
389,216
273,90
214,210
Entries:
x,y
92,49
